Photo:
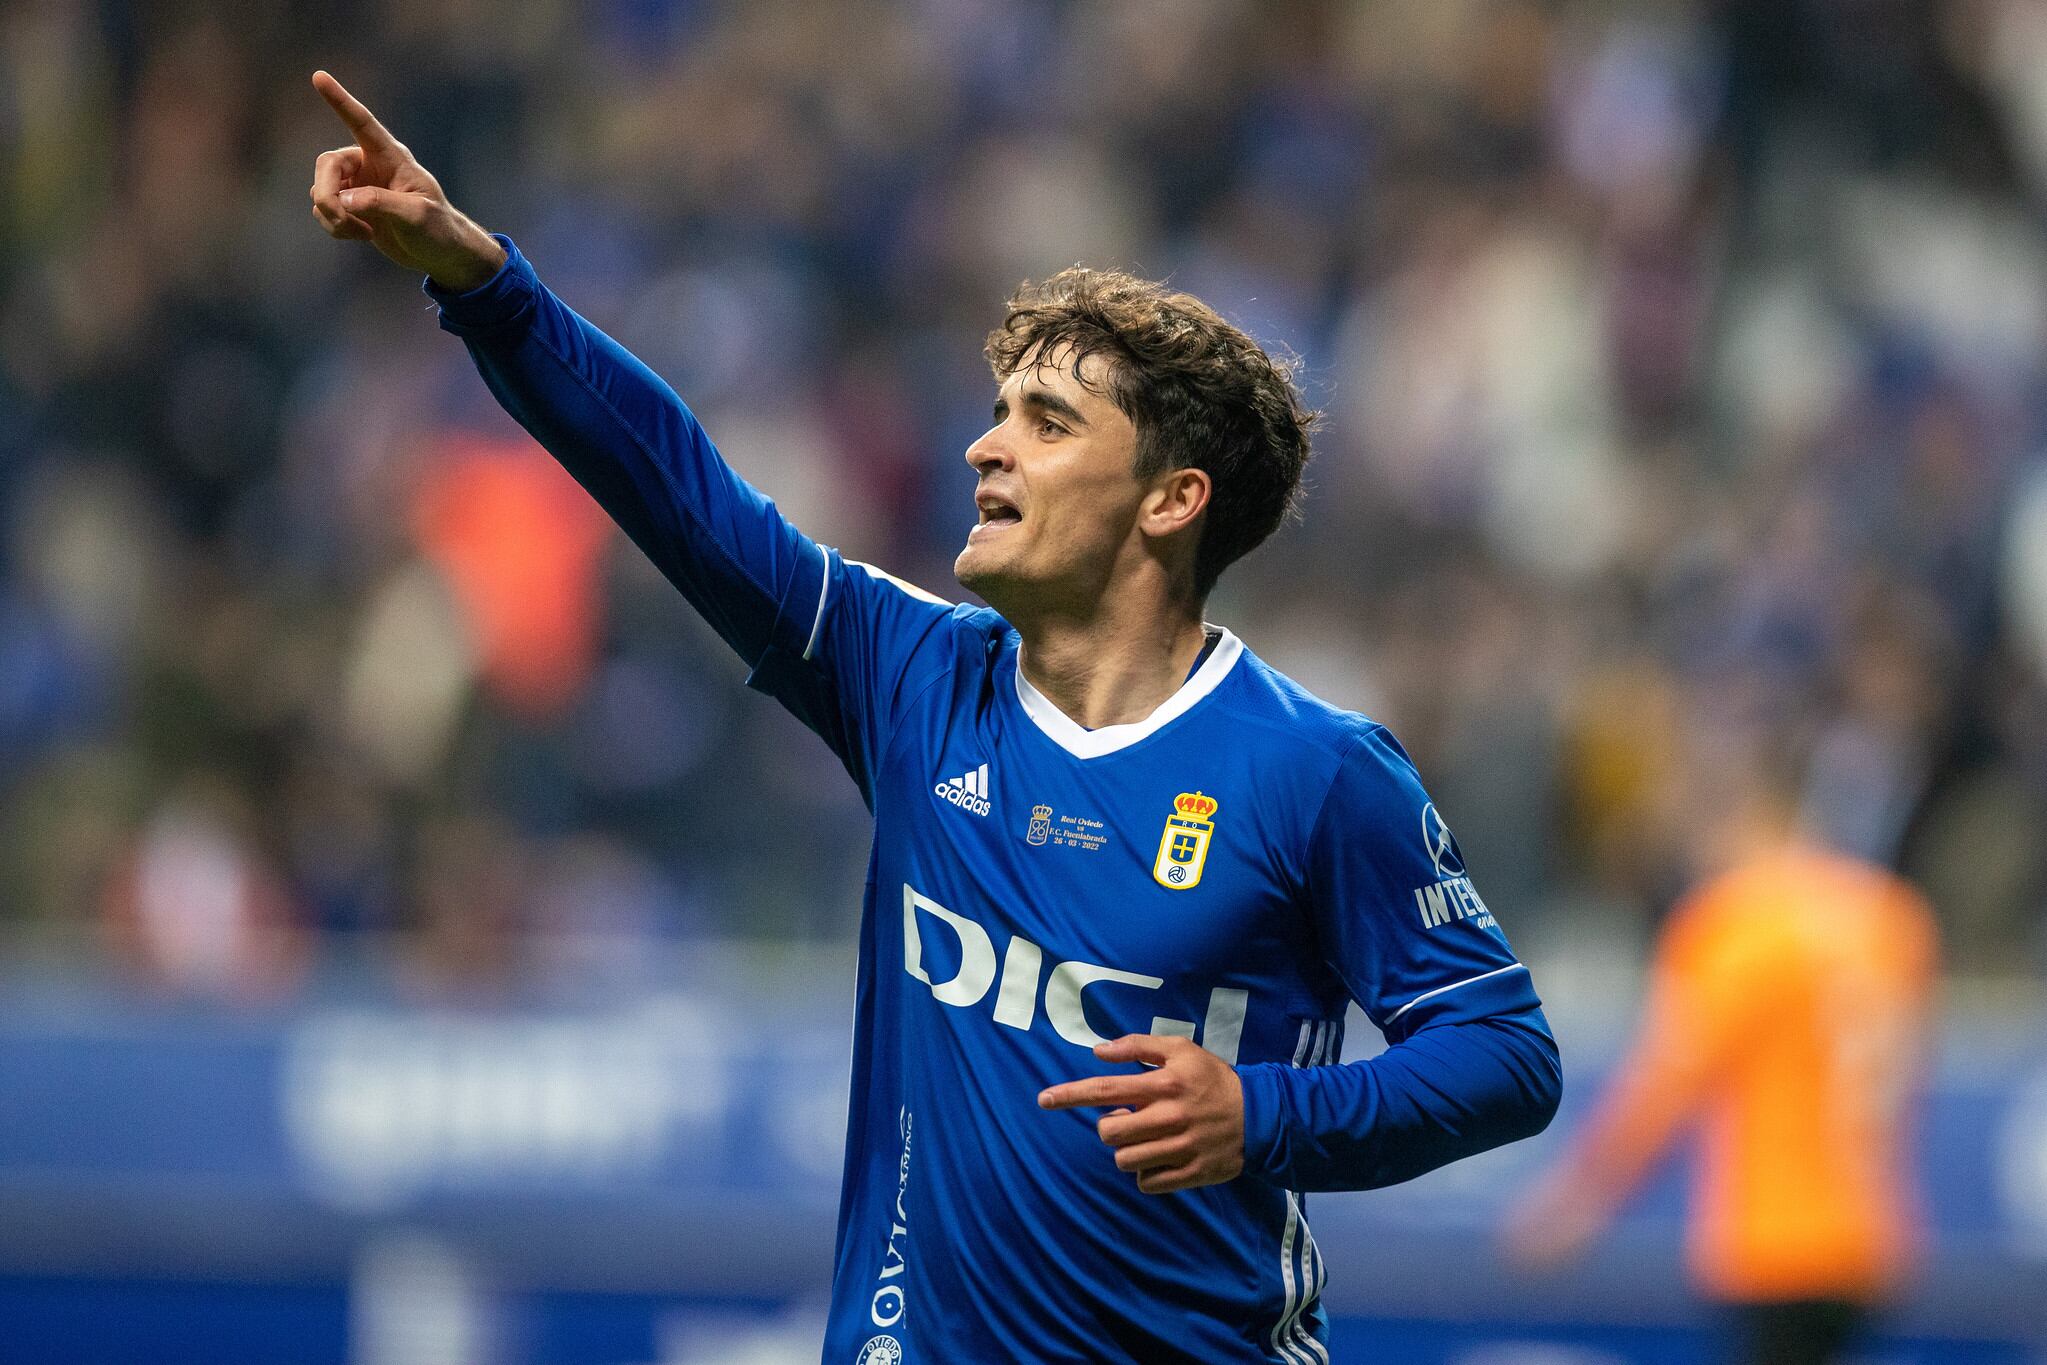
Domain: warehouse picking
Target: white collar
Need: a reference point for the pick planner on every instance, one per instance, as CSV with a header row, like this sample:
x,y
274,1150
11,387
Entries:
x,y
1084,743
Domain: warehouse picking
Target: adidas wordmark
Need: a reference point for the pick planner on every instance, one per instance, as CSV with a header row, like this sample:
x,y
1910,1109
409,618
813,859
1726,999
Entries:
x,y
969,791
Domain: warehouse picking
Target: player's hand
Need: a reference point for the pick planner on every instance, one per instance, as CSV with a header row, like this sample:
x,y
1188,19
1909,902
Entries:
x,y
376,192
1176,1127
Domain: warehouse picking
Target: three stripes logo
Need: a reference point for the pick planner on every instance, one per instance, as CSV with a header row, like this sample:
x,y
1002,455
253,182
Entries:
x,y
969,791
1301,1273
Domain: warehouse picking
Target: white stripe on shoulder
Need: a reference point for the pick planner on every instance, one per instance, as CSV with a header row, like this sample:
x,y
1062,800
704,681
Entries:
x,y
1469,980
824,592
911,588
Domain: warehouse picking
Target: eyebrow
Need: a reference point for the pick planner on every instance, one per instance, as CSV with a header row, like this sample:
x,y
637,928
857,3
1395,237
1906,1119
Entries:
x,y
1045,401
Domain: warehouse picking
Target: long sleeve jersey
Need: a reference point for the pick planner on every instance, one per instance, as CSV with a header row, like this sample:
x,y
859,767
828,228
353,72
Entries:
x,y
1236,868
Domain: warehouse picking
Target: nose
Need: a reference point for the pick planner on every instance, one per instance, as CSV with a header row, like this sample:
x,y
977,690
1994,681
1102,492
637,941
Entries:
x,y
990,453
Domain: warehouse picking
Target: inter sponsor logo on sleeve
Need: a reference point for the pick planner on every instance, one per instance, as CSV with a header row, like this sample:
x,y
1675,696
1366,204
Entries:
x,y
1440,843
1183,848
1452,896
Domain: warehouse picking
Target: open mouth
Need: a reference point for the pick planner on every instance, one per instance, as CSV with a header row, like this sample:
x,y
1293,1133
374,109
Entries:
x,y
995,512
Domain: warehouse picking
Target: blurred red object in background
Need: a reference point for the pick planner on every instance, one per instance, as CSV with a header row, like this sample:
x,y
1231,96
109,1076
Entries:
x,y
520,545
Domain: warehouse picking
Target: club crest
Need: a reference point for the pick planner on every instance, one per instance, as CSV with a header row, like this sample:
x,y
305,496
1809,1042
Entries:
x,y
1183,848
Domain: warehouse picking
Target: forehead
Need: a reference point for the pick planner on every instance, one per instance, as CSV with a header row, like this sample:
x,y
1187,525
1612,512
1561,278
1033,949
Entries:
x,y
1053,370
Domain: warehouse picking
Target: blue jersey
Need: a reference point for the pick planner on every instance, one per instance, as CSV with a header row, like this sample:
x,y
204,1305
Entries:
x,y
1235,869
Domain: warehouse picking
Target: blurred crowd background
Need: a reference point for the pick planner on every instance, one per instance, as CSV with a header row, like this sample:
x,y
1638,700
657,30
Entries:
x,y
1684,361
413,934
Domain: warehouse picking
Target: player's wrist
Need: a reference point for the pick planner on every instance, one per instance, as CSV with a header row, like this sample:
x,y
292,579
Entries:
x,y
474,263
1264,1114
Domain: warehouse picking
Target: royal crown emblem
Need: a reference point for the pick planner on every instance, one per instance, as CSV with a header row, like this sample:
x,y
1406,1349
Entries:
x,y
1183,848
1041,825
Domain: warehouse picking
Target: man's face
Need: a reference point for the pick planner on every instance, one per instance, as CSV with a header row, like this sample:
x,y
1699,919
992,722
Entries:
x,y
1057,503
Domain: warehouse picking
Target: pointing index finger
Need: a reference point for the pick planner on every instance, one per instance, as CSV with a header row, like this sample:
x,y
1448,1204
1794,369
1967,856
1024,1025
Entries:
x,y
1094,1091
370,135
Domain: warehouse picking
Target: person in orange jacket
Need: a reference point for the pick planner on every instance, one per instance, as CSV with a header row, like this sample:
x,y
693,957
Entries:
x,y
1787,1021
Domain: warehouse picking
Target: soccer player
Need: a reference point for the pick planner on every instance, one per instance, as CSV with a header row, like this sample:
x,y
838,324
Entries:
x,y
1789,1002
1126,878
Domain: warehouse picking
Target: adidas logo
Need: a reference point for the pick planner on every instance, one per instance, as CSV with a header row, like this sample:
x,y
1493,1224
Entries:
x,y
968,792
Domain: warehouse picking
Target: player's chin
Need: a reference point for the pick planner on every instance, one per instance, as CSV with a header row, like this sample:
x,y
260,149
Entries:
x,y
980,568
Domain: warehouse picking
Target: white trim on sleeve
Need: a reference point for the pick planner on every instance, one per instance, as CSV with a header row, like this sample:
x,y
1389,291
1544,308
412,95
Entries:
x,y
825,588
1469,980
824,592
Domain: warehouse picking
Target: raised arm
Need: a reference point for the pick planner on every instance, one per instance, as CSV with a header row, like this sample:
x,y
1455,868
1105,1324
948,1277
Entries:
x,y
837,645
614,425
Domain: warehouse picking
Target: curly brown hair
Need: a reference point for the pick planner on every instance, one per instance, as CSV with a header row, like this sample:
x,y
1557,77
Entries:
x,y
1200,392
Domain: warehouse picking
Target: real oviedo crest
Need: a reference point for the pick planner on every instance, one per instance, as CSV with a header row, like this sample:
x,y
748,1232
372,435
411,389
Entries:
x,y
1183,849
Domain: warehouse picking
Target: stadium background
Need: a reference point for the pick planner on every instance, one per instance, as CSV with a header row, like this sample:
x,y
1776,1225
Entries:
x,y
415,945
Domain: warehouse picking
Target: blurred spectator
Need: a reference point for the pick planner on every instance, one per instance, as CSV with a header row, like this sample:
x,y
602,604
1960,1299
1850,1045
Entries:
x,y
197,907
519,544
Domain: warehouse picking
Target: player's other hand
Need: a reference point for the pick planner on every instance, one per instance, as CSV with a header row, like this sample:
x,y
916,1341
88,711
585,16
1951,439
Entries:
x,y
1176,1127
375,191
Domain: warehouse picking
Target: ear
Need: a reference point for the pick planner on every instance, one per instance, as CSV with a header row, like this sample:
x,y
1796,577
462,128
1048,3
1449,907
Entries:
x,y
1176,501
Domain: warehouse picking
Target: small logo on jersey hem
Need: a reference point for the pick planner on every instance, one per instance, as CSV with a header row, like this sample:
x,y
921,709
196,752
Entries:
x,y
969,791
882,1350
1183,848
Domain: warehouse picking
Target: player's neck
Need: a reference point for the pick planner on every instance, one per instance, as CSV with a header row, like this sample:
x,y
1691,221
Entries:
x,y
1111,667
